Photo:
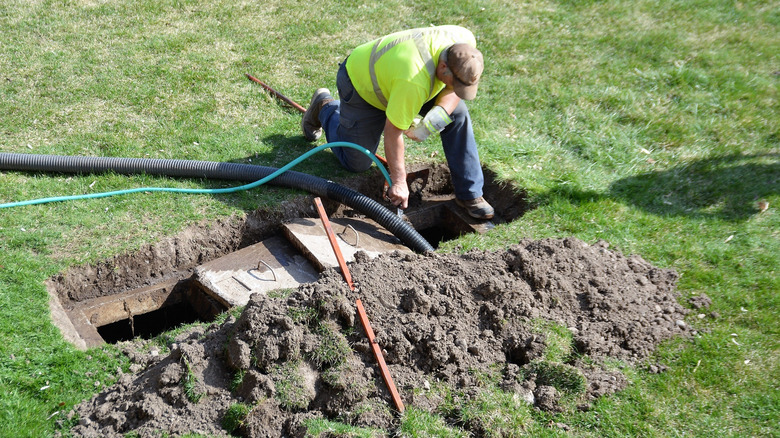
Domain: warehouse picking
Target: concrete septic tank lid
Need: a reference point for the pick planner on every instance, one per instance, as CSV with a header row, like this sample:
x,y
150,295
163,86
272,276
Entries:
x,y
352,235
265,266
273,264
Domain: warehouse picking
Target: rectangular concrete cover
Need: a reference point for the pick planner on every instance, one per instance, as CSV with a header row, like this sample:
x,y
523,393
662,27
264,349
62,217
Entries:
x,y
352,235
233,278
265,266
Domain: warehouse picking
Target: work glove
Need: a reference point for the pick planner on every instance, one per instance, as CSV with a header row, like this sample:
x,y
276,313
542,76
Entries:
x,y
436,120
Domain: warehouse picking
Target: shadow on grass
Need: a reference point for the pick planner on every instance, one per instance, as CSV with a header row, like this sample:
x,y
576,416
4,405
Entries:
x,y
727,187
286,149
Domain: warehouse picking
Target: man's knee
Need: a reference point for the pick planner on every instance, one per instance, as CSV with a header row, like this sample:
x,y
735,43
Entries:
x,y
355,162
359,167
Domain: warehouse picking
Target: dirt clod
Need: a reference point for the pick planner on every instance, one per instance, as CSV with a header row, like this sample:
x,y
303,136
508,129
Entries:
x,y
547,398
546,313
701,301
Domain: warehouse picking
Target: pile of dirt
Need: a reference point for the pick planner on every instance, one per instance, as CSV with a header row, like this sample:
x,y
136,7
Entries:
x,y
548,312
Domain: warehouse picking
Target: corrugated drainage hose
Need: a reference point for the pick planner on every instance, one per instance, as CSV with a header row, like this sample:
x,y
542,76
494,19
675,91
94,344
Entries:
x,y
216,170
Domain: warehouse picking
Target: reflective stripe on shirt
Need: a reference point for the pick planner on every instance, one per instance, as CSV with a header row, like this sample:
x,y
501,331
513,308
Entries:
x,y
417,35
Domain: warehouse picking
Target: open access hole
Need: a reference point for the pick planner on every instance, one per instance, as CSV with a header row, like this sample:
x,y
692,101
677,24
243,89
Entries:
x,y
443,221
149,325
434,213
184,304
438,234
144,312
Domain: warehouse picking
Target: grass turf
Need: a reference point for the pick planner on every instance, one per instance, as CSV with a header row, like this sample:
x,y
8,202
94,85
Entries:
x,y
652,125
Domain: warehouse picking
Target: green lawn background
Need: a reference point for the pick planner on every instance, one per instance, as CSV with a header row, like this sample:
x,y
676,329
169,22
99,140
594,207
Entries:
x,y
650,124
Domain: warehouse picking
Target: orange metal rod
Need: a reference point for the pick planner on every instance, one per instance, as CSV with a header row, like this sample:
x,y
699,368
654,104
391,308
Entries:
x,y
276,93
333,243
399,404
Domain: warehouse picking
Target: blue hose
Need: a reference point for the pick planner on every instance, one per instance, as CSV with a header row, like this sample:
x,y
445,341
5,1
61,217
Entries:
x,y
252,185
254,174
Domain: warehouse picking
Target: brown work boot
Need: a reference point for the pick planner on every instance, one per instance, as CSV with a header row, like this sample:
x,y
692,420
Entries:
x,y
312,128
477,208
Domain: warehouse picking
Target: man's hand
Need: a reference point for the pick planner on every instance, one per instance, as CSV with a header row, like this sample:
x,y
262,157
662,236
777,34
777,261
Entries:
x,y
394,151
412,134
399,194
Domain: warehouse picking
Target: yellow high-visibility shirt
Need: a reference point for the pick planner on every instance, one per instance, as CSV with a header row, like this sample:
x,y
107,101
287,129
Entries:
x,y
397,73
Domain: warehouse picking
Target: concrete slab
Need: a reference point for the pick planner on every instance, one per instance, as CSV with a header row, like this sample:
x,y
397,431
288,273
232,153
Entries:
x,y
352,234
64,322
112,308
79,325
262,267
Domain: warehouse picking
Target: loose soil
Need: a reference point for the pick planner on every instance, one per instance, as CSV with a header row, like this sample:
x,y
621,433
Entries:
x,y
549,317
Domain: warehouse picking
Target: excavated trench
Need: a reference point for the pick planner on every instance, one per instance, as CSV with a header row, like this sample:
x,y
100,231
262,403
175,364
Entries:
x,y
203,271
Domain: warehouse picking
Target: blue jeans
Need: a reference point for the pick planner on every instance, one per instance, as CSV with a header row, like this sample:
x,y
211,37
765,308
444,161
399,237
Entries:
x,y
354,120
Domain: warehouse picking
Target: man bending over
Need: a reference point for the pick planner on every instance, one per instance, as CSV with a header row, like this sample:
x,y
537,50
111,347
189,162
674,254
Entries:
x,y
384,84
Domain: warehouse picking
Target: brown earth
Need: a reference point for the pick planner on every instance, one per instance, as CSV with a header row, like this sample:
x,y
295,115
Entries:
x,y
441,319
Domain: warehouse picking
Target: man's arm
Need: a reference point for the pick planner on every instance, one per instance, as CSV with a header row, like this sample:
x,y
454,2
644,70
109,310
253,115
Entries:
x,y
437,117
448,100
394,151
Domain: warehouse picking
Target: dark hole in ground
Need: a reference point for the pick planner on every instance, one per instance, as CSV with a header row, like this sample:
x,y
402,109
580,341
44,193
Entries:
x,y
438,234
91,302
150,324
184,304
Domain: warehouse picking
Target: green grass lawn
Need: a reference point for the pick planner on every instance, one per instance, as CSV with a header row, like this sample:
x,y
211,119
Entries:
x,y
651,125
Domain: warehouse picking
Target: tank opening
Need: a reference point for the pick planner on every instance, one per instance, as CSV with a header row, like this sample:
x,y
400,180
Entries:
x,y
149,311
437,234
150,324
434,213
183,303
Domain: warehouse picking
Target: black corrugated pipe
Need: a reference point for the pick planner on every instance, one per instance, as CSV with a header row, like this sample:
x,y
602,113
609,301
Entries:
x,y
227,171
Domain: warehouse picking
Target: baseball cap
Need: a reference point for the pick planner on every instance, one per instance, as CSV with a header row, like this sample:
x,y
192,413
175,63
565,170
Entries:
x,y
466,64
